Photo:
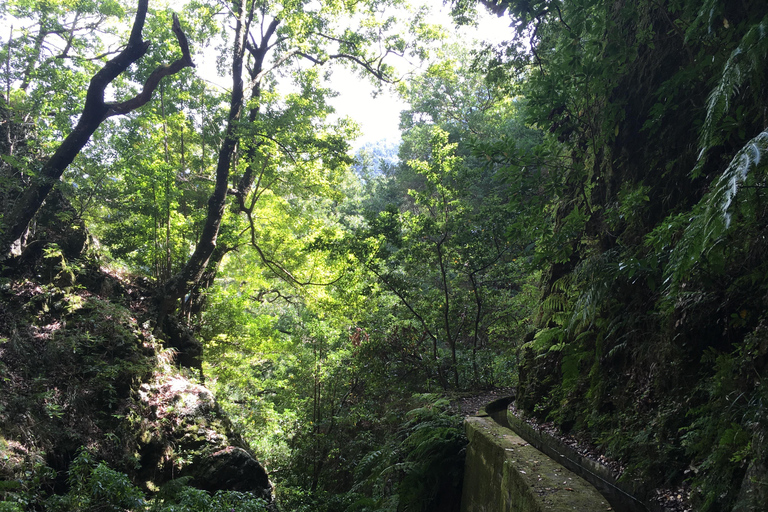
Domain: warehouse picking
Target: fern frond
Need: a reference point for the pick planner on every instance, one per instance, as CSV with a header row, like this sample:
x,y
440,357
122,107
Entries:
x,y
734,176
545,339
588,305
717,215
708,12
552,304
368,463
711,217
595,280
618,348
560,317
563,284
746,60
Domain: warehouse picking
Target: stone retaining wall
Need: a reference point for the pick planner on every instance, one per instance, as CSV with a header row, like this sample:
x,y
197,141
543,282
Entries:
x,y
504,473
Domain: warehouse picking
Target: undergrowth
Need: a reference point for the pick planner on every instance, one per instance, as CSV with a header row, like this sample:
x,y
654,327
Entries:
x,y
95,487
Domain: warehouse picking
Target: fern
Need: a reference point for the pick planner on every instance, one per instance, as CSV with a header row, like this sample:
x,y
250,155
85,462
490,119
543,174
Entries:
x,y
408,472
547,340
746,60
711,218
731,180
552,304
368,463
553,309
595,279
711,9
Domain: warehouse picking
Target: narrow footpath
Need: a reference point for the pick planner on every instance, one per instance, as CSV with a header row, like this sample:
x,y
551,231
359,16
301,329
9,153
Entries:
x,y
669,500
468,406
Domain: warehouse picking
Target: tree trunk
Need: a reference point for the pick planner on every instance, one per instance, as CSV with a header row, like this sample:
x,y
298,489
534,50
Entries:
x,y
95,111
447,312
182,283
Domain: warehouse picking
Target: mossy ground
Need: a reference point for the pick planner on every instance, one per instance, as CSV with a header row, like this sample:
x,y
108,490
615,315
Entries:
x,y
81,369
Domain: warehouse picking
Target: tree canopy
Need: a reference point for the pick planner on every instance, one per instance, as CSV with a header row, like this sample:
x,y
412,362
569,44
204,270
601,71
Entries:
x,y
578,213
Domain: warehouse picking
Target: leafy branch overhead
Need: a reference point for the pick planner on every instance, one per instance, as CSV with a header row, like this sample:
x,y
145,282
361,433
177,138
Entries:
x,y
267,39
95,111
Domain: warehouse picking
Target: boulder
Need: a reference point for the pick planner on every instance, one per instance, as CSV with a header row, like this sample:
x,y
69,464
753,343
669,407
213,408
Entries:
x,y
231,468
188,435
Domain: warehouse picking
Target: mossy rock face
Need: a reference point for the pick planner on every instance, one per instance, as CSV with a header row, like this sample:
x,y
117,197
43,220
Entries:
x,y
188,435
538,375
231,468
189,350
70,362
17,459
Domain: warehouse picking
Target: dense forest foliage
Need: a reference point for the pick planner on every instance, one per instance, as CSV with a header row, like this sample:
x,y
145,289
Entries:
x,y
578,213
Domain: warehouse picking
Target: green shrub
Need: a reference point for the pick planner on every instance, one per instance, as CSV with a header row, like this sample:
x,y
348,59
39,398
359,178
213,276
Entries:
x,y
423,462
97,488
94,486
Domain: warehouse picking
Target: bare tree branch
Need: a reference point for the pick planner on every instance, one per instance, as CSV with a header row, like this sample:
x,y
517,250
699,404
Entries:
x,y
376,71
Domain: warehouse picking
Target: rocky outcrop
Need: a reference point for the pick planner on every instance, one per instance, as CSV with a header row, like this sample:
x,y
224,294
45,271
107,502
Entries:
x,y
187,435
189,350
231,468
83,370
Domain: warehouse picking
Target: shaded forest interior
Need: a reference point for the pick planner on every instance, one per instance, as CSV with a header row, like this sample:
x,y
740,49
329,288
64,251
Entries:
x,y
199,281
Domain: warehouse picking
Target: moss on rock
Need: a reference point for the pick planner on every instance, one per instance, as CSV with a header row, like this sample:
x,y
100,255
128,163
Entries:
x,y
80,370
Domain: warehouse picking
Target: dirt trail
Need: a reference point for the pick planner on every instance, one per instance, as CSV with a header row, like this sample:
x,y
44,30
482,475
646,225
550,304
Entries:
x,y
469,405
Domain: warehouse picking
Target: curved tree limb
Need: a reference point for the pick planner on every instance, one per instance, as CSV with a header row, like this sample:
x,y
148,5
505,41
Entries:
x,y
158,74
95,111
279,270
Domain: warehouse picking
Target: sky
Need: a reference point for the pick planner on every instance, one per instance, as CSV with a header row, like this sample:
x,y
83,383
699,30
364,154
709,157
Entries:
x,y
379,117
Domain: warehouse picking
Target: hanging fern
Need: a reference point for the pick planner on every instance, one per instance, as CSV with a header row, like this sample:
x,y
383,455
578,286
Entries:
x,y
746,60
408,473
712,216
730,181
710,9
548,340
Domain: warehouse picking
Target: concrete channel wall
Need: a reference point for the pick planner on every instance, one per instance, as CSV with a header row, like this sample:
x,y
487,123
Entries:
x,y
504,473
